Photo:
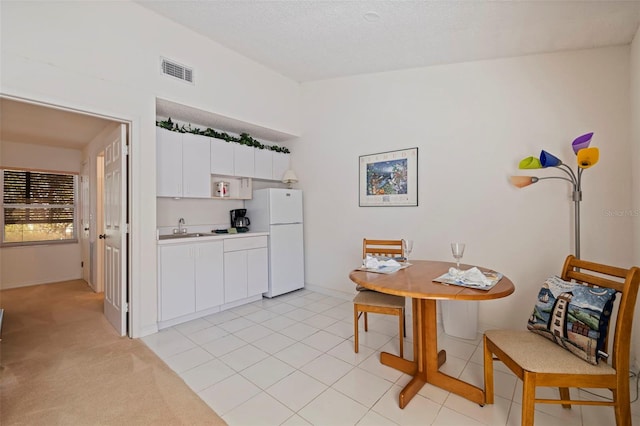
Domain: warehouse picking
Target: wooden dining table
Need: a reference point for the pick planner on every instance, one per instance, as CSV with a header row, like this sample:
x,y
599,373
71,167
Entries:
x,y
416,282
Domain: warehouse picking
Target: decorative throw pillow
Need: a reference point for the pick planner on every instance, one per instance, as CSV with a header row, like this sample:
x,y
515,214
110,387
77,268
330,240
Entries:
x,y
574,316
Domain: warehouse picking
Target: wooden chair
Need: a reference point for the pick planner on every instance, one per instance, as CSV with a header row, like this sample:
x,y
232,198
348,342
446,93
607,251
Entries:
x,y
368,301
538,361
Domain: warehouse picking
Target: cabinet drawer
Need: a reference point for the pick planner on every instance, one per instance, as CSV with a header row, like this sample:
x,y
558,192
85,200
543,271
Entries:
x,y
233,244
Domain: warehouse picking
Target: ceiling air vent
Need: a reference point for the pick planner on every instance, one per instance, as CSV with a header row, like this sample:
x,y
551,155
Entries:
x,y
176,70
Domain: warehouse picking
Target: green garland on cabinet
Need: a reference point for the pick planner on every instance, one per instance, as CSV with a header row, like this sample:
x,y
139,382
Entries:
x,y
243,139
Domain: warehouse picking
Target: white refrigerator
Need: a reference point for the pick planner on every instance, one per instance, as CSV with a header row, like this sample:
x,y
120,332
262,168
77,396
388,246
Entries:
x,y
278,211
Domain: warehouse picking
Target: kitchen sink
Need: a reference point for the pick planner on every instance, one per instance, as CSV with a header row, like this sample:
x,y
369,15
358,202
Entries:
x,y
190,235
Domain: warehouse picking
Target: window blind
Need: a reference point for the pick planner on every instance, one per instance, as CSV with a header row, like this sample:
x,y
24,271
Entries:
x,y
37,197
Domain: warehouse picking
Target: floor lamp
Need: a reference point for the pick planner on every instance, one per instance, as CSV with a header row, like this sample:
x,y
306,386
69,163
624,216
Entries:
x,y
585,156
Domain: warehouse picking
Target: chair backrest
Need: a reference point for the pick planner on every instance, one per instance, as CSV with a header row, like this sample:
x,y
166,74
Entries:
x,y
625,282
389,248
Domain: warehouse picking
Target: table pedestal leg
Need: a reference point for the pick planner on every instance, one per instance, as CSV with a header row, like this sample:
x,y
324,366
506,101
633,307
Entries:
x,y
427,359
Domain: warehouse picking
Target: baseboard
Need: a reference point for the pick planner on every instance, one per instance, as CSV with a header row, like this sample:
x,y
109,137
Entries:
x,y
8,286
145,331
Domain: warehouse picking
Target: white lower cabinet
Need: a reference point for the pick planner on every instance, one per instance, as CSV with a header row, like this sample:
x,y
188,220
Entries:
x,y
177,277
257,271
200,278
246,268
209,276
191,278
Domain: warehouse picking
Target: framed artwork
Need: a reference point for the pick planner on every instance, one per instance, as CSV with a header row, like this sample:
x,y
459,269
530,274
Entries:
x,y
389,178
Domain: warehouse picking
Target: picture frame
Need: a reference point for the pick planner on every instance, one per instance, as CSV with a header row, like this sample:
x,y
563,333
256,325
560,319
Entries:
x,y
389,179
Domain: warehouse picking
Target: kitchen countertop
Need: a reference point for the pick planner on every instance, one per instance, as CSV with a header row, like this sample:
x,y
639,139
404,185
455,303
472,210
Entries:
x,y
210,237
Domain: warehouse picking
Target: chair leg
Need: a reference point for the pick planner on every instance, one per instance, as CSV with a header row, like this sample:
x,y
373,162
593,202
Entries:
x,y
528,399
565,395
401,334
366,322
355,327
488,373
622,405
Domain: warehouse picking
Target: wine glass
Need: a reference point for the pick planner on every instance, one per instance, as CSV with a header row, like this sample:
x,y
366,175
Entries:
x,y
457,249
407,246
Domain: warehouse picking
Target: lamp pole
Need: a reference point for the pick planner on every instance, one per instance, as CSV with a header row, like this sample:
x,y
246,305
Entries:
x,y
576,196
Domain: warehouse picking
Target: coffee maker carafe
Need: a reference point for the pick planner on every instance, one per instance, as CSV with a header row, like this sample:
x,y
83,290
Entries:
x,y
239,220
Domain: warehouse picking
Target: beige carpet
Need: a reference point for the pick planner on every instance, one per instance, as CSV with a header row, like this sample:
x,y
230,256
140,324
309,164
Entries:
x,y
63,364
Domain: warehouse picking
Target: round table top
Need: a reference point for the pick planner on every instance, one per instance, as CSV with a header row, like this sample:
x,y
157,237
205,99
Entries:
x,y
416,281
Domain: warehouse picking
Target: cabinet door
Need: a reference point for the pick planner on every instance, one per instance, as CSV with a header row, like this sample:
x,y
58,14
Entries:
x,y
168,163
257,271
196,167
177,275
243,162
221,157
280,165
263,164
235,275
209,275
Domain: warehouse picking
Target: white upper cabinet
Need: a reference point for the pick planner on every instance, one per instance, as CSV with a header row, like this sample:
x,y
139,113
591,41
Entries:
x,y
221,157
263,160
186,161
270,165
168,163
182,167
280,165
196,168
243,161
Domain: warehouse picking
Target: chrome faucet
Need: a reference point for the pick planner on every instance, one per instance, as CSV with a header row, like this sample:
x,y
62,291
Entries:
x,y
181,230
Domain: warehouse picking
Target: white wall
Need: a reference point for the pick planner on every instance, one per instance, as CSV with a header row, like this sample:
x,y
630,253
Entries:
x,y
472,123
104,57
479,118
30,265
635,155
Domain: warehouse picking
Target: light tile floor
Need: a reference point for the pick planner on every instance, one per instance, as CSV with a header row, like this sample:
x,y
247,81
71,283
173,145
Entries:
x,y
290,361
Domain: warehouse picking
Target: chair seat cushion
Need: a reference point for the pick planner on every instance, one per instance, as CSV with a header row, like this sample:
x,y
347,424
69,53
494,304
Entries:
x,y
374,298
574,316
536,354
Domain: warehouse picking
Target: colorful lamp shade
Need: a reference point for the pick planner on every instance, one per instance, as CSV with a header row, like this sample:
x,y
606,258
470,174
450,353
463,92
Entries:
x,y
585,156
530,163
549,160
581,142
588,157
522,181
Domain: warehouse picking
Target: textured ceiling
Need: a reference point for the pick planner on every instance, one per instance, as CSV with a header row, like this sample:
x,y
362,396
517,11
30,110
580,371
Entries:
x,y
314,40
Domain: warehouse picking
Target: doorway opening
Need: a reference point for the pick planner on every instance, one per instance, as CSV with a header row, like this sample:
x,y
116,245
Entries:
x,y
82,138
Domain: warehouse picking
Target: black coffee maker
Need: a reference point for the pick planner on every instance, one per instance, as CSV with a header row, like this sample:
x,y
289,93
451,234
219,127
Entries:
x,y
239,220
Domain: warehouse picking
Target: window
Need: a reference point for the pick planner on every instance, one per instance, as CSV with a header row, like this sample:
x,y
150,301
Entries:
x,y
38,207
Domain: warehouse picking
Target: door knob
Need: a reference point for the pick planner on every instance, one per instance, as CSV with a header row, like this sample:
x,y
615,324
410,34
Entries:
x,y
102,236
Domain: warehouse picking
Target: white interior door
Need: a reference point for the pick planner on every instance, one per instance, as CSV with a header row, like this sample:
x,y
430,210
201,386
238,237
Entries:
x,y
83,232
115,230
